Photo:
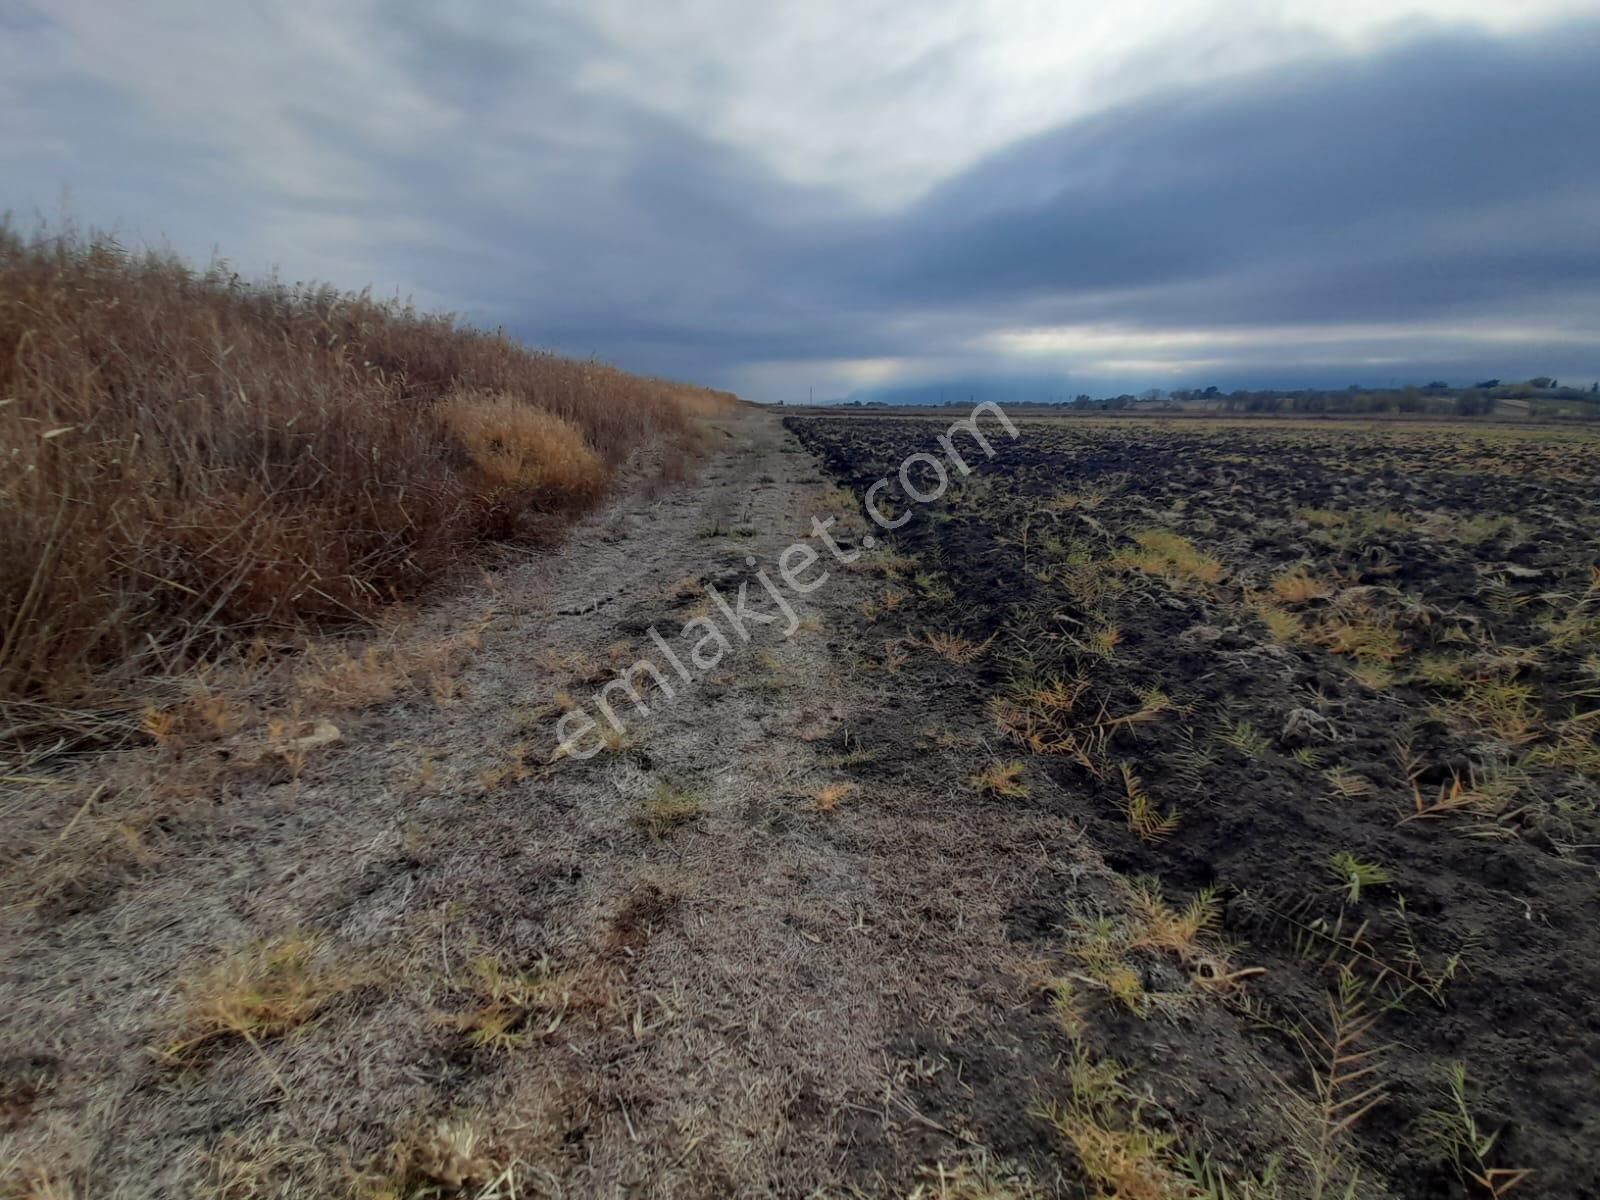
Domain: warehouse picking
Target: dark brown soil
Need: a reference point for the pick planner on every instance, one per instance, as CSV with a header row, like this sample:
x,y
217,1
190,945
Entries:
x,y
1468,561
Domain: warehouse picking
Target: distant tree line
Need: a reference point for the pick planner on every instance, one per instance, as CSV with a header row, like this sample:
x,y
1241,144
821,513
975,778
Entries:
x,y
1541,396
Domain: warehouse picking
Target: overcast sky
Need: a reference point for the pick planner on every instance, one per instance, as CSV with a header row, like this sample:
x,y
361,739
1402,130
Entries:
x,y
1041,196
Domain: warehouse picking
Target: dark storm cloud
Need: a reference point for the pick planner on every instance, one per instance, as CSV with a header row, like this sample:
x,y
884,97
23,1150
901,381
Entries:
x,y
1354,190
1456,176
1450,181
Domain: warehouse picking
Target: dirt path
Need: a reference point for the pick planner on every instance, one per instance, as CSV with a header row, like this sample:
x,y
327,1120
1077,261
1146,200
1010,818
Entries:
x,y
681,967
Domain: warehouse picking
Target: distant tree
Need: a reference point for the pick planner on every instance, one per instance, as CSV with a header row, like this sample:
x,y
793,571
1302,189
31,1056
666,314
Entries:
x,y
1487,385
1438,385
1471,403
1541,382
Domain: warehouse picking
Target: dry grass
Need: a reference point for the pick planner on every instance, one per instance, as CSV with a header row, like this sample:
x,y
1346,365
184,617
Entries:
x,y
1296,586
1000,779
34,1183
979,1177
443,1156
259,993
189,456
1144,819
1122,1157
1363,633
1486,796
517,1007
1282,624
1455,1129
1177,931
666,809
353,677
1345,784
522,449
1245,738
828,797
1172,557
952,647
1345,1072
440,1158
1050,718
1500,708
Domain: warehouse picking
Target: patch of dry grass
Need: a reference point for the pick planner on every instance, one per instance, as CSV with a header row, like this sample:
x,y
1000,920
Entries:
x,y
828,797
1172,557
435,1158
1174,930
1145,820
1363,633
1296,586
952,647
516,1007
1051,718
1283,625
259,993
667,809
978,1177
1000,779
454,1155
518,448
1122,1157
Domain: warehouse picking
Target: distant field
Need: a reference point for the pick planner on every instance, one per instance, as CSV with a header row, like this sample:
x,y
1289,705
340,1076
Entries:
x,y
1509,414
1328,697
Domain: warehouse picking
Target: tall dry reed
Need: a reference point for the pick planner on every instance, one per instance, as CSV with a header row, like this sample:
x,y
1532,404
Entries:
x,y
188,456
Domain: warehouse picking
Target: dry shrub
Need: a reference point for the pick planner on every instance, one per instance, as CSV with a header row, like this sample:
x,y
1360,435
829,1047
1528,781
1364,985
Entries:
x,y
519,449
187,456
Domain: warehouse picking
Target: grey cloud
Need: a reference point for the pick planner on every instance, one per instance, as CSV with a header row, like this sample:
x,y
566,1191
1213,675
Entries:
x,y
1343,177
1455,178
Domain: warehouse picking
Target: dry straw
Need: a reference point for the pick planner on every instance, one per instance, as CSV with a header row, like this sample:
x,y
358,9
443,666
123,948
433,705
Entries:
x,y
188,456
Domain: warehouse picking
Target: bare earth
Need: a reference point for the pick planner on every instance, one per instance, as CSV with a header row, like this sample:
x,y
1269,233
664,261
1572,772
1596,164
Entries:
x,y
747,1001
